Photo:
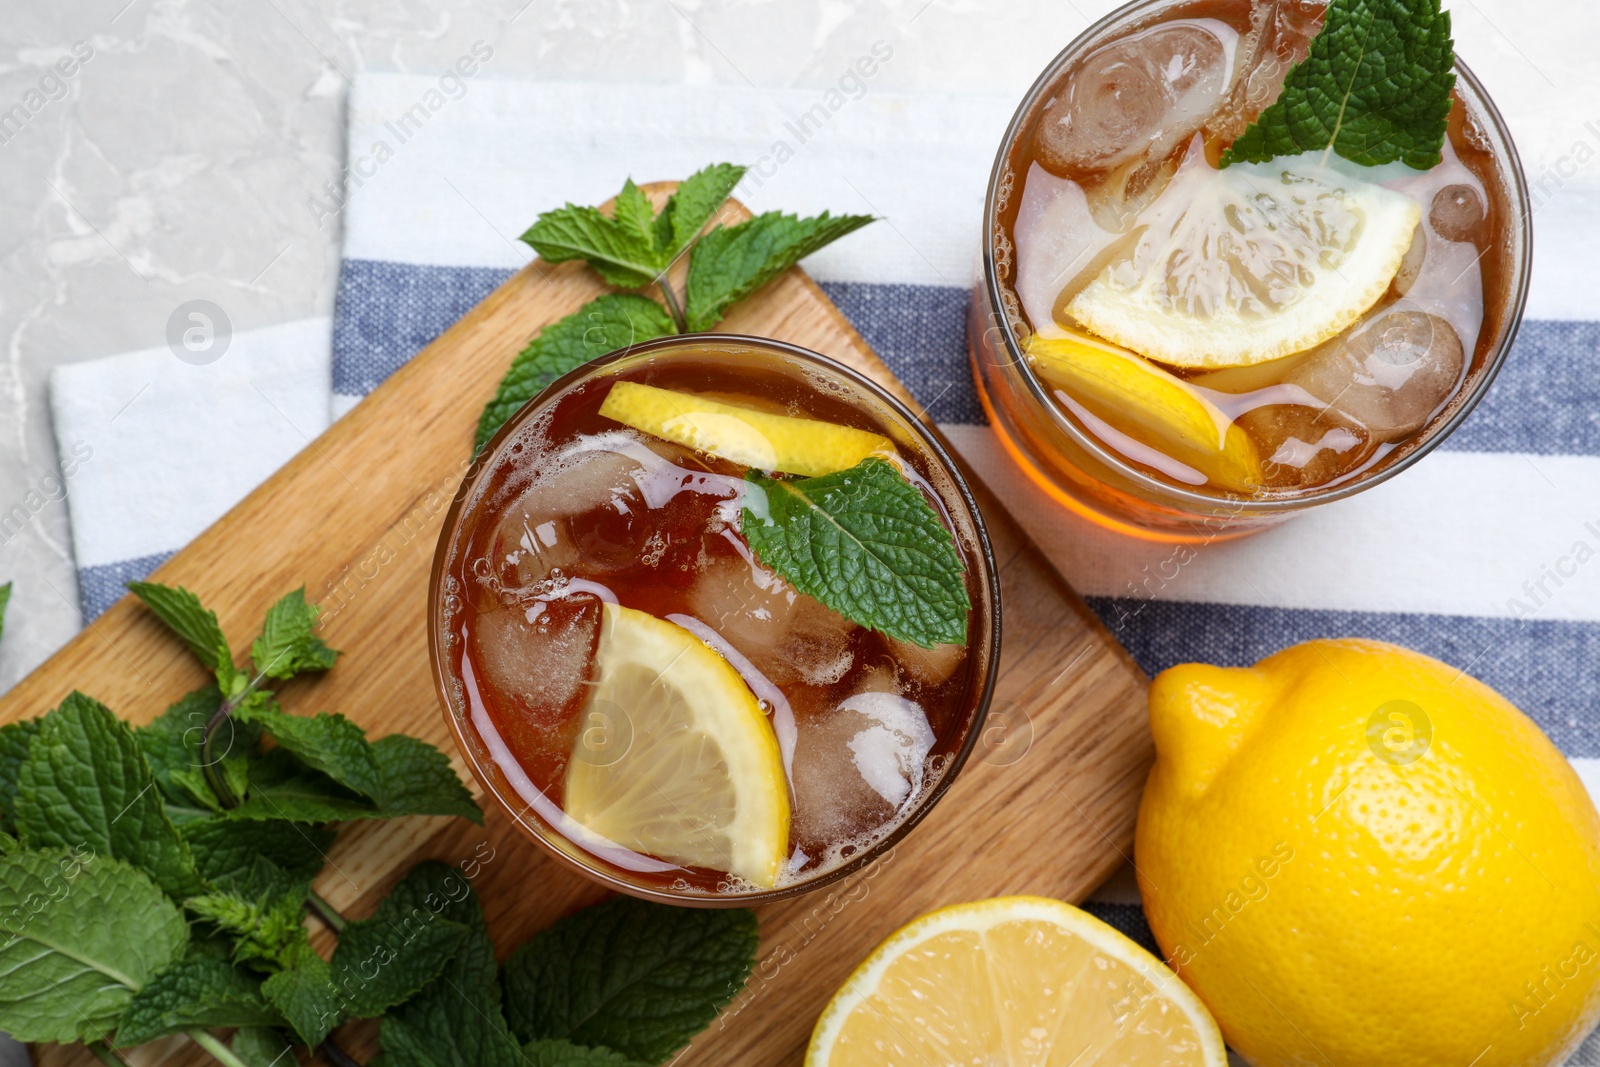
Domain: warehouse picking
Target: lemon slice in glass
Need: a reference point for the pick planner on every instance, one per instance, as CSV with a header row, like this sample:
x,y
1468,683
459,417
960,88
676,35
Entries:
x,y
1021,981
1155,408
1251,263
675,758
743,435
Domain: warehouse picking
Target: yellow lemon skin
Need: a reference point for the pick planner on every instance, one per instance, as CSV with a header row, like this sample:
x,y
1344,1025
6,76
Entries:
x,y
1356,854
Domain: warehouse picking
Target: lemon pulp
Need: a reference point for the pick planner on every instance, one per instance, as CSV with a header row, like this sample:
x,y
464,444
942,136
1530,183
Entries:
x,y
1255,262
1022,981
675,757
739,434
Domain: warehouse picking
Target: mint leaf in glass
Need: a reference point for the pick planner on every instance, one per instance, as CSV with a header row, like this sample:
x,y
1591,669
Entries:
x,y
69,970
199,991
1374,87
606,323
731,262
628,975
866,543
86,784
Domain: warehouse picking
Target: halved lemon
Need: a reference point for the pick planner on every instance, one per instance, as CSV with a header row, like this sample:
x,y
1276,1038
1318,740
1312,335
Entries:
x,y
1020,981
1251,263
675,758
1146,403
739,434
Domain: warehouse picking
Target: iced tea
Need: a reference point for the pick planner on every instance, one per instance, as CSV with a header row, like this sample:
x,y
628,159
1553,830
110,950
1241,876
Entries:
x,y
1177,348
646,696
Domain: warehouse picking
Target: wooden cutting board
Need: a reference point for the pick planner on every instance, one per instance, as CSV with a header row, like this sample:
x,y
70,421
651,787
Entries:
x,y
1046,804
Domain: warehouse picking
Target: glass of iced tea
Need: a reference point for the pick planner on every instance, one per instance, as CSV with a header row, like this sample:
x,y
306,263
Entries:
x,y
1181,350
634,672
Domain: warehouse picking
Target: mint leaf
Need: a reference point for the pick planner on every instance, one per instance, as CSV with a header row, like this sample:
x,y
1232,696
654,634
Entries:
x,y
15,739
553,1052
258,1046
264,917
304,993
606,323
194,992
417,779
226,849
281,787
287,646
84,935
692,205
182,612
327,742
86,785
632,976
731,262
1374,87
636,218
456,1020
388,959
5,598
172,743
866,543
623,256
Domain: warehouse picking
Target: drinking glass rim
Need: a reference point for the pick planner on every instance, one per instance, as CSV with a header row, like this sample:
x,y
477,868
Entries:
x,y
985,683
1522,251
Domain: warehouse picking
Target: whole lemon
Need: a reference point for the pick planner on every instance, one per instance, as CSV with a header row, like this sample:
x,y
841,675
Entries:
x,y
1358,855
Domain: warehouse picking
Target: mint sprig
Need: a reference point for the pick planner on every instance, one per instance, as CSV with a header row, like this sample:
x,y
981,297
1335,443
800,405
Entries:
x,y
866,543
637,978
632,248
1374,87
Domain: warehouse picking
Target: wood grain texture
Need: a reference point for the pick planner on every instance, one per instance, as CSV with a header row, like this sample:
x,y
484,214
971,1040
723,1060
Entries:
x,y
355,518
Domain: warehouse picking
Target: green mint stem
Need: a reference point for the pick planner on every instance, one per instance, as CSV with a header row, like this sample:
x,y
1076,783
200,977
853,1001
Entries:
x,y
219,1052
105,1054
211,766
325,911
674,305
338,1056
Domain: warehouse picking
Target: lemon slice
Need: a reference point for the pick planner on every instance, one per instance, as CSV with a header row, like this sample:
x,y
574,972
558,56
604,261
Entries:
x,y
676,758
1021,981
1251,263
1153,407
741,434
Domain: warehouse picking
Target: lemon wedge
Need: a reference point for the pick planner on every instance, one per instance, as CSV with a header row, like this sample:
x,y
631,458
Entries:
x,y
1023,981
743,435
1251,263
1153,407
675,758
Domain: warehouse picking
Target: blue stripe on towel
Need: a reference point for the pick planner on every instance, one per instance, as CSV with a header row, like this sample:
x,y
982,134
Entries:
x,y
1546,400
1548,668
385,313
103,585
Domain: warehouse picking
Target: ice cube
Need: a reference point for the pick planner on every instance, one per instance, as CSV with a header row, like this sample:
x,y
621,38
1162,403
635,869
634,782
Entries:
x,y
930,666
536,658
1390,374
1305,446
1137,98
856,766
1457,214
789,637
